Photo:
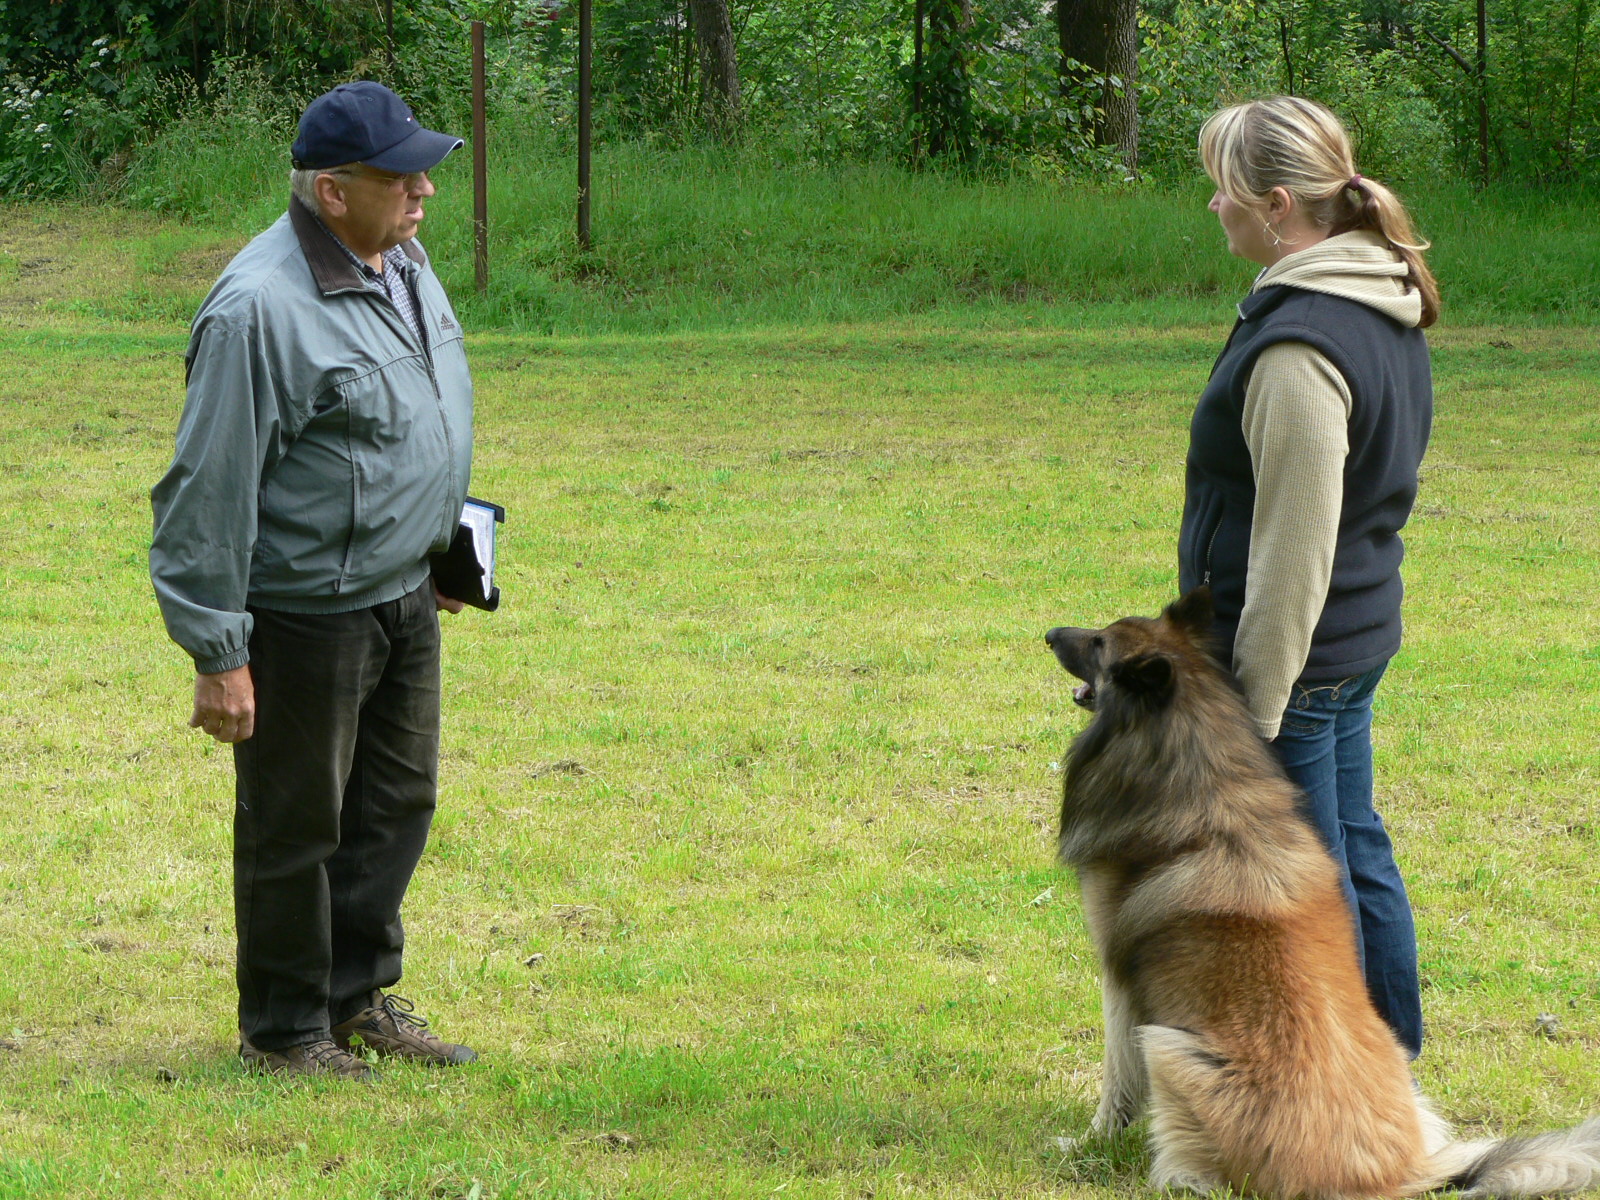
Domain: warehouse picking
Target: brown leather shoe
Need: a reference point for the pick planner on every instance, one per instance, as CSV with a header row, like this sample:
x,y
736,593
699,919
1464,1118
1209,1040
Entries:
x,y
310,1058
390,1026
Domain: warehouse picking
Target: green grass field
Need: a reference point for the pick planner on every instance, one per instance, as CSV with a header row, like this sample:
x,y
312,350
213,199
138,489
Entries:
x,y
742,879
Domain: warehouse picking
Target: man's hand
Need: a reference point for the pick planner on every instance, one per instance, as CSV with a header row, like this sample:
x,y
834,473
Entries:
x,y
225,704
446,603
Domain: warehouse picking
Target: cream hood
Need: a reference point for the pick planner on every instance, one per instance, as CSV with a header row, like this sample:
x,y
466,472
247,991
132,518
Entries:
x,y
1358,266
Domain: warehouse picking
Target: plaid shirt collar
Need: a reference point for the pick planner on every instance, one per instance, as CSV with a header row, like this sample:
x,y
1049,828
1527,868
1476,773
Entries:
x,y
391,282
332,270
394,258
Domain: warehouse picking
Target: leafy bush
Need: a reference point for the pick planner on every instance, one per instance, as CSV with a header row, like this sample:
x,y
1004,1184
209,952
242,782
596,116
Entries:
x,y
57,130
85,88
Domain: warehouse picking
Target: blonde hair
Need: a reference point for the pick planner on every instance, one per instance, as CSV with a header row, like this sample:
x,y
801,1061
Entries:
x,y
1249,149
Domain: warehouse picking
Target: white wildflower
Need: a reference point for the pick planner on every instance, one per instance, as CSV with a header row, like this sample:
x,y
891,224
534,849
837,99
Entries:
x,y
46,146
104,50
42,127
100,41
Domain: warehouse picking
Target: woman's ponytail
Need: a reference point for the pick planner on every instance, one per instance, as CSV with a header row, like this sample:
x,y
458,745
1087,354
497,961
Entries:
x,y
1376,208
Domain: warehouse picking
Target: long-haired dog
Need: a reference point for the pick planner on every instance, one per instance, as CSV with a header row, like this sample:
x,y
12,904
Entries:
x,y
1234,1003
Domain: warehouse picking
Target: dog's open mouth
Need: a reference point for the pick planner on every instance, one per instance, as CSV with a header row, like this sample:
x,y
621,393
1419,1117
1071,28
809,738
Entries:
x,y
1083,696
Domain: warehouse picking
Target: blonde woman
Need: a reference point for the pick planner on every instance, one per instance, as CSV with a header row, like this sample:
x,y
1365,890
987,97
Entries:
x,y
1302,469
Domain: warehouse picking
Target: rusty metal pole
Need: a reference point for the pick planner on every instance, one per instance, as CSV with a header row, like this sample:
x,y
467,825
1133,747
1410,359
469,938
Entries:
x,y
480,166
585,115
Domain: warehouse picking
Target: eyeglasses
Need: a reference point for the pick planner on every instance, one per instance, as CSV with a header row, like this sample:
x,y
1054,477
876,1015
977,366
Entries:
x,y
386,178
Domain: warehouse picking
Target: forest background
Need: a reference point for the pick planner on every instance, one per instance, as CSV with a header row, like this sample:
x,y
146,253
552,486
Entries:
x,y
1094,90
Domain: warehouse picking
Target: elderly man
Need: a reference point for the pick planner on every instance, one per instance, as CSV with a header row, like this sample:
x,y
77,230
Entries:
x,y
322,454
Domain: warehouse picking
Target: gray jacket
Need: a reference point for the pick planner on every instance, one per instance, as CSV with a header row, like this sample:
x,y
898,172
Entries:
x,y
323,452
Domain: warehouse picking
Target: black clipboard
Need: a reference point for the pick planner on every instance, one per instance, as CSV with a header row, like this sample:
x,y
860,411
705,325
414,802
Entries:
x,y
465,571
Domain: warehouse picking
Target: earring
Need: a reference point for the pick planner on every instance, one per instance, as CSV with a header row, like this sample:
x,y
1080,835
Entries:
x,y
1272,233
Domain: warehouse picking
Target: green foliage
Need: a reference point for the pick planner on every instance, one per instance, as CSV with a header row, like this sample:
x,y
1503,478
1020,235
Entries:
x,y
830,78
1200,53
229,146
1545,89
1541,86
38,37
1398,134
84,88
56,128
829,74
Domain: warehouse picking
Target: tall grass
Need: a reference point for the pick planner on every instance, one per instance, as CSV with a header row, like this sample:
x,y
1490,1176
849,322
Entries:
x,y
697,237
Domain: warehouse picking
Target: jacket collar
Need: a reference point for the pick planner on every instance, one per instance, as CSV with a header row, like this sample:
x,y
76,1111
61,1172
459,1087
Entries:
x,y
330,266
1258,304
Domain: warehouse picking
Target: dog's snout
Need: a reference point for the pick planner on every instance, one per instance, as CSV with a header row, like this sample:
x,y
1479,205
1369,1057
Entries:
x,y
1063,636
1068,644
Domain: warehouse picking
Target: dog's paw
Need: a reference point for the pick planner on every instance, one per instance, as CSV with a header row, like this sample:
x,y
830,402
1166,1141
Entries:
x,y
1077,1147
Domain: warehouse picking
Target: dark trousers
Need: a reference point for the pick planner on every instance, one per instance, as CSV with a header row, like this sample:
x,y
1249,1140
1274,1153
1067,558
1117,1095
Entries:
x,y
1325,744
335,794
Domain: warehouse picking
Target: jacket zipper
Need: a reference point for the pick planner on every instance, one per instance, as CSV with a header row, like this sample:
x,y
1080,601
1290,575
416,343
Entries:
x,y
422,334
438,397
1205,580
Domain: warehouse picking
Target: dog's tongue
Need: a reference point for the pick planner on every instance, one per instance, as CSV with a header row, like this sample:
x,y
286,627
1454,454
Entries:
x,y
1083,692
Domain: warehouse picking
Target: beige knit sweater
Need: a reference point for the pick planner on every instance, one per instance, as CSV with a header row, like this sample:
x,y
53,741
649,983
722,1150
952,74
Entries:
x,y
1296,423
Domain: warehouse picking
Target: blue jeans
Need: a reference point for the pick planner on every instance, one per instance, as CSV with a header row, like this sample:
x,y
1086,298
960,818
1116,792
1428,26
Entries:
x,y
1325,744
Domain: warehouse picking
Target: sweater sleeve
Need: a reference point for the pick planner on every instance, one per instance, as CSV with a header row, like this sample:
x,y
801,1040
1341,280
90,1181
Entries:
x,y
1296,423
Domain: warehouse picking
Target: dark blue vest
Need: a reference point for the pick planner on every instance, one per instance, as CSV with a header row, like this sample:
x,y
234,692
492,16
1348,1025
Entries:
x,y
1391,388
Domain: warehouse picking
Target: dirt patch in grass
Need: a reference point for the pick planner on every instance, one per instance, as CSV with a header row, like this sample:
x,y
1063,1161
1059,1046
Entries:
x,y
102,264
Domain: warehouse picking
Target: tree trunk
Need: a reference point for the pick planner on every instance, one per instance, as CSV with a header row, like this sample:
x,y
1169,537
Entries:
x,y
1483,93
946,94
1580,26
1286,45
720,103
919,17
1099,42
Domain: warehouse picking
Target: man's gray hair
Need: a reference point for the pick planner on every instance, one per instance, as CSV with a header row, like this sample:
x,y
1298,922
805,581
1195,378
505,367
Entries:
x,y
303,183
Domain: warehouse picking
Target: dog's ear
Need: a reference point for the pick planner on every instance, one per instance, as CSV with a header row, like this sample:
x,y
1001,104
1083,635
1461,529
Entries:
x,y
1192,612
1143,675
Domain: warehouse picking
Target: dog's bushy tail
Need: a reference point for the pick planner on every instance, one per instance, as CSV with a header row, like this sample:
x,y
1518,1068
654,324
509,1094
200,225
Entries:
x,y
1547,1164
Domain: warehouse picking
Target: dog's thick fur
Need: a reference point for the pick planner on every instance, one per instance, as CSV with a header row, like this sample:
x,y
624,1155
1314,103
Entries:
x,y
1234,1003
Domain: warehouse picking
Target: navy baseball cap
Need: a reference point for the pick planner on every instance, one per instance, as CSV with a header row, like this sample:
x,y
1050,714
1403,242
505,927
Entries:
x,y
365,122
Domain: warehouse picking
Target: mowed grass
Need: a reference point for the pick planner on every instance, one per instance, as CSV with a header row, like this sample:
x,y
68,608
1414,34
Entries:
x,y
742,878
